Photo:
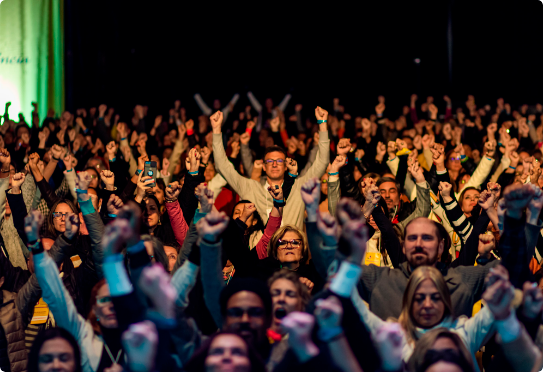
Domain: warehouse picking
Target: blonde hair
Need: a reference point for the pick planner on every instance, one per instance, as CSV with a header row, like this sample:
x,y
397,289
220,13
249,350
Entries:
x,y
420,274
274,241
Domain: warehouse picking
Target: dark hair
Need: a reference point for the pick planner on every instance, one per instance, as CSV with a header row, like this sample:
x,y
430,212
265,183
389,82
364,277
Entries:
x,y
197,362
259,225
274,148
51,231
159,254
448,356
388,179
50,334
250,285
426,343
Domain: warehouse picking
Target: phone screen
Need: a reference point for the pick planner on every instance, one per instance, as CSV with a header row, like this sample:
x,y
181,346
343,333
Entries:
x,y
150,170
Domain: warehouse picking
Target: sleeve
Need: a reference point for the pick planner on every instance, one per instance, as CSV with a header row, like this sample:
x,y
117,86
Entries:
x,y
254,102
240,184
311,157
202,105
212,280
283,105
423,205
246,158
333,196
175,156
479,329
70,180
18,213
458,219
216,184
4,184
179,225
47,193
321,255
58,299
187,200
469,251
183,281
262,246
481,172
390,240
96,229
322,161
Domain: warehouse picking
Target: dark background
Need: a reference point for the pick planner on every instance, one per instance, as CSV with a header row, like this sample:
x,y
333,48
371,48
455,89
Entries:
x,y
124,53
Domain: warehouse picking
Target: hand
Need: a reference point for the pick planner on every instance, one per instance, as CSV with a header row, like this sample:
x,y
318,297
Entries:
x,y
321,114
499,295
292,166
108,177
122,129
532,300
172,191
16,181
307,283
211,226
158,121
111,150
67,160
143,184
427,141
389,343
491,129
140,343
33,222
155,284
486,200
311,197
433,111
416,172
438,155
114,204
348,210
216,122
380,151
194,157
495,189
102,110
515,158
141,161
274,124
205,196
116,233
517,197
299,326
356,233
235,149
250,125
328,312
490,148
98,145
391,149
328,227
380,108
417,142
487,243
82,180
371,192
344,146
339,162
276,192
445,190
72,226
259,164
359,154
181,129
245,138
535,205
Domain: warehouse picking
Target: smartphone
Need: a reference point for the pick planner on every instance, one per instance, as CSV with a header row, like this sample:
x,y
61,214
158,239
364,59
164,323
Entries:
x,y
150,170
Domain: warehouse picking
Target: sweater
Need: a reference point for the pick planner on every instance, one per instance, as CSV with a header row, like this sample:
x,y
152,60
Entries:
x,y
252,190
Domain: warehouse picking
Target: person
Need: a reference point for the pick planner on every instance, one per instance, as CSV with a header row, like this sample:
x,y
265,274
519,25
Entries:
x,y
275,167
54,349
383,287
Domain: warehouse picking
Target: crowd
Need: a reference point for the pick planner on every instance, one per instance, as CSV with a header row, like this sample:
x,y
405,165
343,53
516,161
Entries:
x,y
251,240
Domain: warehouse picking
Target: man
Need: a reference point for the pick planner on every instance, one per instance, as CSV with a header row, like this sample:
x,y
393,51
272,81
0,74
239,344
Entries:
x,y
275,167
383,287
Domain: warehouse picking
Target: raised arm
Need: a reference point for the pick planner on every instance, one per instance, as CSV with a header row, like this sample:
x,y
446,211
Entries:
x,y
179,224
323,157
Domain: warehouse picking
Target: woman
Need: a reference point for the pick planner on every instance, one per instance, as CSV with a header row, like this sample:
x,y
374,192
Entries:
x,y
249,215
426,305
225,351
53,350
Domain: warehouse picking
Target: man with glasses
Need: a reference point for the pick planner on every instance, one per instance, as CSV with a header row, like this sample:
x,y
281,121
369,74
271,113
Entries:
x,y
275,168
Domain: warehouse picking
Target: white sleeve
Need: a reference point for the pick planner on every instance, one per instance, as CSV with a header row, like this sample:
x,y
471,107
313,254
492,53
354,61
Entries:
x,y
254,102
205,108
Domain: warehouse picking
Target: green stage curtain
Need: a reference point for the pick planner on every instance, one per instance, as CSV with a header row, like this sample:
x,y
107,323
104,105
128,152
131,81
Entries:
x,y
31,56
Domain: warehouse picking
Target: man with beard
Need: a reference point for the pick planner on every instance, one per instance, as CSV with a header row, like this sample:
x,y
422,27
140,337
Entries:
x,y
383,287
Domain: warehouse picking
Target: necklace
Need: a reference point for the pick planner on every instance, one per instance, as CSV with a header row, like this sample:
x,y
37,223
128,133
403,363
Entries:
x,y
111,355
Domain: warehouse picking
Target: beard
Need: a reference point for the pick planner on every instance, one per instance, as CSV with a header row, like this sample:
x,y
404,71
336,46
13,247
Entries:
x,y
421,258
249,334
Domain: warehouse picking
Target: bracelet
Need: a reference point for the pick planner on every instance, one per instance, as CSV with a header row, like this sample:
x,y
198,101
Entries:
x,y
292,175
57,159
79,191
329,334
322,121
282,201
462,157
170,200
333,174
512,167
190,132
356,159
249,130
195,173
69,170
123,139
35,246
112,215
138,171
204,164
380,115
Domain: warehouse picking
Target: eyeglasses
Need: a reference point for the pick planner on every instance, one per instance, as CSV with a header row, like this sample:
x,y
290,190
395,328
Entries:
x,y
271,161
103,301
294,243
453,158
252,312
59,215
